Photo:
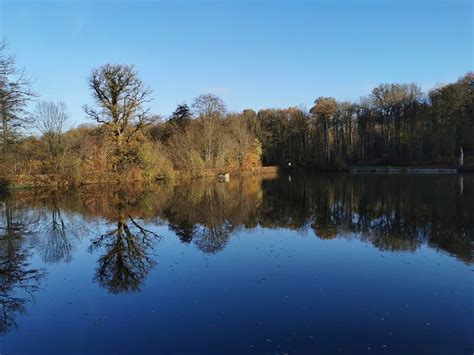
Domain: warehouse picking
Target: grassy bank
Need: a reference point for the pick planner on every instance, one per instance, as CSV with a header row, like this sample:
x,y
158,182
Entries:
x,y
51,180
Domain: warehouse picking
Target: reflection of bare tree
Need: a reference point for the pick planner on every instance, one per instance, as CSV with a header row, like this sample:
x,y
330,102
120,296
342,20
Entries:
x,y
18,282
126,261
212,239
184,230
57,247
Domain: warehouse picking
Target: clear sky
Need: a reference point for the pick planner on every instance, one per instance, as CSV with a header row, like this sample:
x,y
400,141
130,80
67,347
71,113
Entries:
x,y
253,54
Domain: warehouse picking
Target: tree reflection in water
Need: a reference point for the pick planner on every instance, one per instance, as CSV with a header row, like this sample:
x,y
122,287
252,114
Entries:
x,y
56,245
126,260
392,212
18,280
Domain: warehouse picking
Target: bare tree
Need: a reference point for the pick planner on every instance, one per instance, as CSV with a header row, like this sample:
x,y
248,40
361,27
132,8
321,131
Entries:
x,y
210,109
15,93
120,97
7,62
49,119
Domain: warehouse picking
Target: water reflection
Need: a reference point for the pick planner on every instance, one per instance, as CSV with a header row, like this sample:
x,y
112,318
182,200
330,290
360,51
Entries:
x,y
126,249
18,280
208,213
57,246
395,213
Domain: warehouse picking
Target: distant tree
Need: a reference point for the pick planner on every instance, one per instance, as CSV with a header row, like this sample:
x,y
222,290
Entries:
x,y
120,98
324,109
453,112
365,118
298,135
181,116
243,137
210,110
395,104
49,119
250,118
272,134
346,117
177,122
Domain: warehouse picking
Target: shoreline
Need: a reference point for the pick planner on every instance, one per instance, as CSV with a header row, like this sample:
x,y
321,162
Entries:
x,y
274,171
403,170
48,181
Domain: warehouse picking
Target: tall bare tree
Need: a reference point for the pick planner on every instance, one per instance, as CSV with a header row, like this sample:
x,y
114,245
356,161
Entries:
x,y
120,98
15,94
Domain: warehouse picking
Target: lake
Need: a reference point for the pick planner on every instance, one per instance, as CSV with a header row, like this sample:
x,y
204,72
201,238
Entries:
x,y
318,264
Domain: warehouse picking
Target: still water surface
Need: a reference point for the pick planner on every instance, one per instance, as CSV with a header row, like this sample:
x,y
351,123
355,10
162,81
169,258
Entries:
x,y
322,264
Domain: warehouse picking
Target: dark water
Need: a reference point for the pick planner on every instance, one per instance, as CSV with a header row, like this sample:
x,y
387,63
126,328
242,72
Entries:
x,y
326,264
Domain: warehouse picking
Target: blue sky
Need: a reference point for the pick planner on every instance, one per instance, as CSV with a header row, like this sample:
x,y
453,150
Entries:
x,y
253,54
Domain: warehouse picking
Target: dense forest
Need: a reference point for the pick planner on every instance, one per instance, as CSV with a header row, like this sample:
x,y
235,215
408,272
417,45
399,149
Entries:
x,y
395,124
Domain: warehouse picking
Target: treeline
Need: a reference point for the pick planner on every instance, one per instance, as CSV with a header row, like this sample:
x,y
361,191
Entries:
x,y
395,124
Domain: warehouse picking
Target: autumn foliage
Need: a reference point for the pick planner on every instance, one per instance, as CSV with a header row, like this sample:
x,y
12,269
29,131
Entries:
x,y
395,124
